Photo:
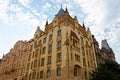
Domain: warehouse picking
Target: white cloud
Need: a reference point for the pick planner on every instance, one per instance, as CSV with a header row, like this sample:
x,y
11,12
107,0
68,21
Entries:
x,y
47,6
25,3
3,9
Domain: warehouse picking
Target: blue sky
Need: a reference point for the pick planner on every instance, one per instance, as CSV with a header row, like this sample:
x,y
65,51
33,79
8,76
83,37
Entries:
x,y
20,18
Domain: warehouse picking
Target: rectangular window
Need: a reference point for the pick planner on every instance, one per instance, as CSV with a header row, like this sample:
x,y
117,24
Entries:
x,y
36,52
59,33
85,74
41,74
58,71
49,60
33,55
39,42
44,50
81,39
59,44
50,48
35,63
83,51
84,62
58,57
29,57
28,64
44,40
31,65
35,44
42,62
48,73
31,46
50,37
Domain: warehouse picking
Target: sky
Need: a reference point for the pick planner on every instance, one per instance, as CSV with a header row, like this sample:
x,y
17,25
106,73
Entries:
x,y
20,18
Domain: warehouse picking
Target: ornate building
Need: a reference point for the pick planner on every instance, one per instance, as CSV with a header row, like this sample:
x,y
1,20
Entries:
x,y
63,51
13,64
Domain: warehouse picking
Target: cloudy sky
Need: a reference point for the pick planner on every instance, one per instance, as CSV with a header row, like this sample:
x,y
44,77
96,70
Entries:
x,y
19,19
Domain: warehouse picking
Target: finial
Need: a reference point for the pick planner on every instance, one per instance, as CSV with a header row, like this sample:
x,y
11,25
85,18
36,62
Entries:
x,y
83,25
66,9
47,22
61,6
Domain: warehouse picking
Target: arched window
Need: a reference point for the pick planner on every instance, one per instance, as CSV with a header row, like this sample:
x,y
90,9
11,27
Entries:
x,y
58,71
75,71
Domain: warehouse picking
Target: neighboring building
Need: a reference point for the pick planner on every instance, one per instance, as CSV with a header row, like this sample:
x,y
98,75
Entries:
x,y
103,54
13,64
109,54
64,51
1,69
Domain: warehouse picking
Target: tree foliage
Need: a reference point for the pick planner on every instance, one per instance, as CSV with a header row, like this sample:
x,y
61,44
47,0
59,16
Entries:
x,y
108,71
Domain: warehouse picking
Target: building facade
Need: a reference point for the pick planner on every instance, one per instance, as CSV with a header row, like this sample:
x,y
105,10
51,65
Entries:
x,y
13,63
103,54
63,51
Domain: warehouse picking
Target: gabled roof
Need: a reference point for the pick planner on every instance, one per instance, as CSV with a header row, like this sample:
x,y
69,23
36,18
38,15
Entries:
x,y
74,35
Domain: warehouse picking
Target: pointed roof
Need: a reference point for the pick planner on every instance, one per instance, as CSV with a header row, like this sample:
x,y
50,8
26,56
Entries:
x,y
83,25
105,45
61,12
46,22
37,32
66,9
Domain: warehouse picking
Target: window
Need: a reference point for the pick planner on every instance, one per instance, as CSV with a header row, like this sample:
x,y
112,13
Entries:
x,y
84,62
39,41
35,63
39,63
36,52
85,74
50,48
33,75
81,38
38,75
31,65
48,73
33,55
77,58
30,76
35,44
44,50
58,57
83,50
59,33
42,62
28,64
59,44
50,37
31,46
58,71
75,71
29,57
41,74
49,59
44,40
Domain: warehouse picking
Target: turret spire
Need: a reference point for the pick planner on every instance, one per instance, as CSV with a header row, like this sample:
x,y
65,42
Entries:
x,y
66,9
47,22
83,25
